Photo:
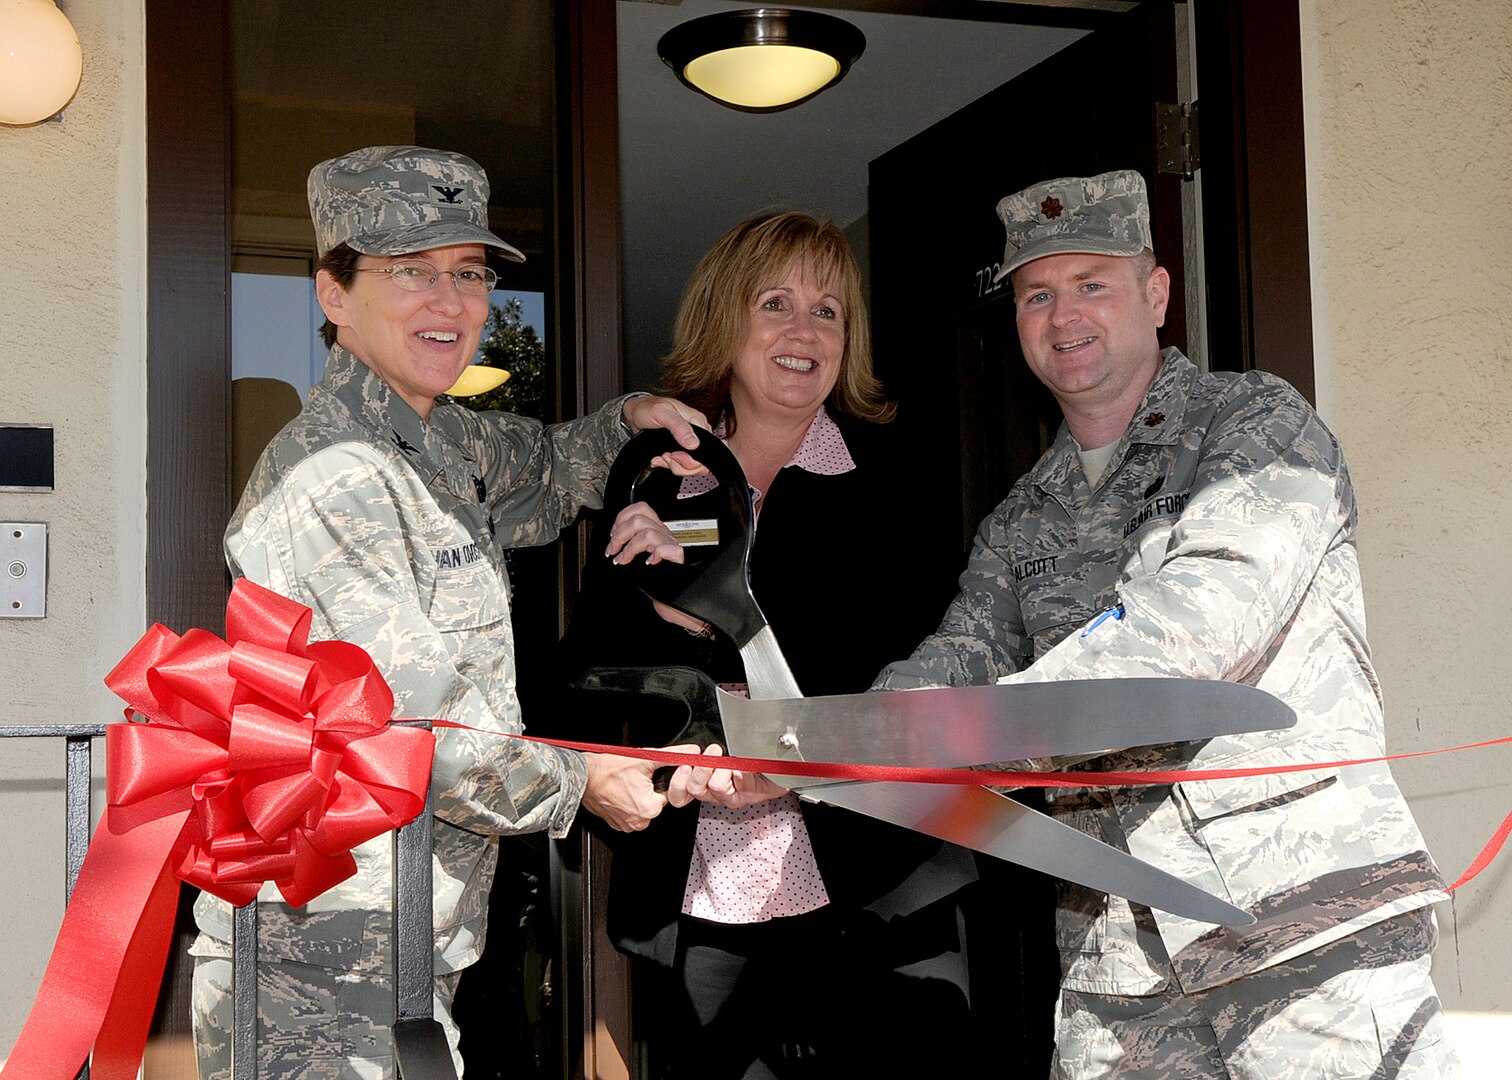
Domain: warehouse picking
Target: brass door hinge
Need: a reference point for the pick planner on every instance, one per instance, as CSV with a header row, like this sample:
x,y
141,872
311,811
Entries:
x,y
1177,147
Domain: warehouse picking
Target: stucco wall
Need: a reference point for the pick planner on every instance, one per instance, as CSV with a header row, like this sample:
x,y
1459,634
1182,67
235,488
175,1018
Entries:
x,y
1409,143
72,349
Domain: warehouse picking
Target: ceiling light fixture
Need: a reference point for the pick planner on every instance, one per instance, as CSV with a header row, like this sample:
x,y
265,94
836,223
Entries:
x,y
761,59
40,60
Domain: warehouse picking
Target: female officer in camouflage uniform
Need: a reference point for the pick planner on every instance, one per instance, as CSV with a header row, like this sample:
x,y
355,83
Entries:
x,y
387,508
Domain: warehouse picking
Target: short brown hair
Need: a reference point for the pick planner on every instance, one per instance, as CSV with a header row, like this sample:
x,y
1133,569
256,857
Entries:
x,y
715,316
341,263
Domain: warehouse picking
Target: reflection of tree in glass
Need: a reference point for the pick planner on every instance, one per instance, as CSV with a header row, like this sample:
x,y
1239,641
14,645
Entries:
x,y
510,344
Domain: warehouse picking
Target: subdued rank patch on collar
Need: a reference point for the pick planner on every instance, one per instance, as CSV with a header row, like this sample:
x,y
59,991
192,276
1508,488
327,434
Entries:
x,y
1051,207
1155,419
404,447
447,196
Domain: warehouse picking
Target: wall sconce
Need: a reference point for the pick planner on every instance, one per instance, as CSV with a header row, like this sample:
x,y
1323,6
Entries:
x,y
40,61
761,59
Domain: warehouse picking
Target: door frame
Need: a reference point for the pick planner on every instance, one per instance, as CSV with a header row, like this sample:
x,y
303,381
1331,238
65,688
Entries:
x,y
188,352
1259,302
596,1031
188,310
1254,214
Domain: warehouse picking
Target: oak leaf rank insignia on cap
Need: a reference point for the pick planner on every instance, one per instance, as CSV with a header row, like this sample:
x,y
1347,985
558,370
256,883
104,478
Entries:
x,y
1107,214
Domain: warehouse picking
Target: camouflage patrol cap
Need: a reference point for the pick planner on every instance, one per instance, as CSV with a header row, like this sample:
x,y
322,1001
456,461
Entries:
x,y
395,200
1106,214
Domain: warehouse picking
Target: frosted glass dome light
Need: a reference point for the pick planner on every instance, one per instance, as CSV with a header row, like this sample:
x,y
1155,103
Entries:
x,y
761,59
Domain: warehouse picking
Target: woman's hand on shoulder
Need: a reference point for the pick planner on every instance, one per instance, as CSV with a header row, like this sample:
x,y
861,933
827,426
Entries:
x,y
649,411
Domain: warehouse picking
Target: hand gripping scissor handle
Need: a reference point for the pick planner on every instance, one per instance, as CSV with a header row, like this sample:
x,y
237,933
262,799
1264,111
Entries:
x,y
698,722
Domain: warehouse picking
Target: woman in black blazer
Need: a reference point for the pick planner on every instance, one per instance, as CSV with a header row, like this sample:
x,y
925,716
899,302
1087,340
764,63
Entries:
x,y
793,941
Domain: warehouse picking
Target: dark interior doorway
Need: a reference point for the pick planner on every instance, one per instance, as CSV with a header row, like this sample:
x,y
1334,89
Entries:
x,y
946,343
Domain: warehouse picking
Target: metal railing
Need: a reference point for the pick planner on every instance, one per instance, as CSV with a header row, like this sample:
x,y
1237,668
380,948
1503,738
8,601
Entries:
x,y
420,1048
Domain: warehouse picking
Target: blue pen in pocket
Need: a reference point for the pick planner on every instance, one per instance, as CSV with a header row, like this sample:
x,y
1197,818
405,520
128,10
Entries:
x,y
1111,613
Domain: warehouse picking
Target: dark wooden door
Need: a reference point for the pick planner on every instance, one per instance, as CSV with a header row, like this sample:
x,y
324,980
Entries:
x,y
946,345
947,348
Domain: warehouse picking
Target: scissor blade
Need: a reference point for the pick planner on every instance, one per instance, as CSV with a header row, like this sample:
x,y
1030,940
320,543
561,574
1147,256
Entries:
x,y
997,825
977,725
767,673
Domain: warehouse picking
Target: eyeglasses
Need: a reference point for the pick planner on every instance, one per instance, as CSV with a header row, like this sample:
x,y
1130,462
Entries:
x,y
413,275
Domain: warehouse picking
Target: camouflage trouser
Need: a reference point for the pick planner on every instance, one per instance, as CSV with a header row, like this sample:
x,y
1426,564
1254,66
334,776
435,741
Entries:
x,y
313,1023
1360,1007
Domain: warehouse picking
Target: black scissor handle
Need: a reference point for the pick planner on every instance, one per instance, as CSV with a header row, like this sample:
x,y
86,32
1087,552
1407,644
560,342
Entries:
x,y
713,583
698,722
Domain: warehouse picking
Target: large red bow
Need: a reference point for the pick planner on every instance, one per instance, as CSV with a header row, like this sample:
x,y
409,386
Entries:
x,y
262,758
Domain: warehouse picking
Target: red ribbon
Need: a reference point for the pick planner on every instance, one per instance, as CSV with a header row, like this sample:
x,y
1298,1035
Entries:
x,y
261,758
266,758
908,774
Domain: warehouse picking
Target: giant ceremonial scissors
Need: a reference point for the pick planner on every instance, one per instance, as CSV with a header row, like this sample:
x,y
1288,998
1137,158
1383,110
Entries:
x,y
936,728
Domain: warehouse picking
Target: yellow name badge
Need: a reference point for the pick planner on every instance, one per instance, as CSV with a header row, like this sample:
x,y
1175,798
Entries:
x,y
694,532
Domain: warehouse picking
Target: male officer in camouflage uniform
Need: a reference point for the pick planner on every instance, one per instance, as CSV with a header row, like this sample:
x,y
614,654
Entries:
x,y
1198,525
387,509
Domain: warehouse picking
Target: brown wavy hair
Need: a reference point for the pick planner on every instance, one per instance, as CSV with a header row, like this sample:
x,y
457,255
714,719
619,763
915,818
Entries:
x,y
715,317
